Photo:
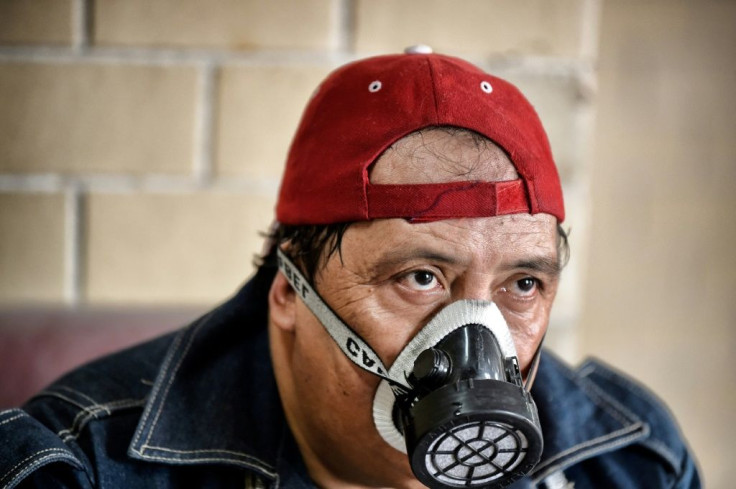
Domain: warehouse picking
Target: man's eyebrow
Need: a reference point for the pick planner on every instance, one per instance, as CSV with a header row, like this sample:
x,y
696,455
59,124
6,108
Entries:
x,y
402,255
544,264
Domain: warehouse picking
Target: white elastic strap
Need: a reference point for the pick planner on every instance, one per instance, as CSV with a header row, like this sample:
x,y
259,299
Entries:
x,y
350,342
557,480
534,366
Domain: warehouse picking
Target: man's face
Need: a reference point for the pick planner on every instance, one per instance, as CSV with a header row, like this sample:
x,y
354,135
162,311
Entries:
x,y
389,280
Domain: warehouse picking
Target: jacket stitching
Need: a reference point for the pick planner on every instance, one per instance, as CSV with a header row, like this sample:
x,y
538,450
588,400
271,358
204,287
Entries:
x,y
85,411
9,411
191,333
82,415
50,451
611,406
550,467
664,451
255,461
63,397
80,394
38,463
13,418
282,443
655,445
252,481
171,379
208,450
586,369
87,414
595,442
157,387
250,462
177,353
614,409
618,379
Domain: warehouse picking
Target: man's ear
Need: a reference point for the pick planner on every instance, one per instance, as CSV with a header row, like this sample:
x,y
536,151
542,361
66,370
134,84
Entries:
x,y
282,303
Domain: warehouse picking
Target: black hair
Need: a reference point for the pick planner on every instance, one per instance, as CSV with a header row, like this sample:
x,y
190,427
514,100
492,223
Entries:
x,y
308,245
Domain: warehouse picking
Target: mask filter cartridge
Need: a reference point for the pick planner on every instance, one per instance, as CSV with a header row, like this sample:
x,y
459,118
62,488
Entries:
x,y
468,422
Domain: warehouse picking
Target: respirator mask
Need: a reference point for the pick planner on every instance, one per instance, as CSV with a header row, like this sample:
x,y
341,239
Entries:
x,y
454,399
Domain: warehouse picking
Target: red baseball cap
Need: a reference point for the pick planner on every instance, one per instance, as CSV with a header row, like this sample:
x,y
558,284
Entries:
x,y
365,106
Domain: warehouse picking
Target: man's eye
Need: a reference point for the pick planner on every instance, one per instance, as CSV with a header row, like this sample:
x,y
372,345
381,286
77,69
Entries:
x,y
526,286
421,280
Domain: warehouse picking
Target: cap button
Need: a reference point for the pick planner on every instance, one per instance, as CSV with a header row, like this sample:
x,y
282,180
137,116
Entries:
x,y
418,49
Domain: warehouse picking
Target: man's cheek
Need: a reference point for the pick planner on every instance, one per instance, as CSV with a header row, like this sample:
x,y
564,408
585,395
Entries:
x,y
527,336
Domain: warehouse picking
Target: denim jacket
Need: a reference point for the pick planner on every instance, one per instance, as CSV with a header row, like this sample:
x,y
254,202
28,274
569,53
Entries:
x,y
200,408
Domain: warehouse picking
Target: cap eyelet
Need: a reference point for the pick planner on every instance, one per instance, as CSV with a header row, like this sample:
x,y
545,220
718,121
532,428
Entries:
x,y
486,87
375,86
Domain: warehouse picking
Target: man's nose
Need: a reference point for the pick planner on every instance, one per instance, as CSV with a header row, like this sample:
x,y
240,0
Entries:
x,y
474,285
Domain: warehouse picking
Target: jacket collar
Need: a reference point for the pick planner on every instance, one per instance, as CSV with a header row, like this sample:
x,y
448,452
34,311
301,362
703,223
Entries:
x,y
579,420
239,422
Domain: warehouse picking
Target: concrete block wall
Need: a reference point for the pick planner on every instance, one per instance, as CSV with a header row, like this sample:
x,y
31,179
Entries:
x,y
142,142
659,288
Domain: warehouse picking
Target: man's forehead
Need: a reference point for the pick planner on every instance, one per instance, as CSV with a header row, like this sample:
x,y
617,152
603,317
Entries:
x,y
537,230
442,154
506,242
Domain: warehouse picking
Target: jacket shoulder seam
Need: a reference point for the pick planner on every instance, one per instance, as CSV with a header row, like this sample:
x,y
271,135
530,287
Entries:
x,y
97,411
13,414
35,461
167,374
208,456
593,366
633,429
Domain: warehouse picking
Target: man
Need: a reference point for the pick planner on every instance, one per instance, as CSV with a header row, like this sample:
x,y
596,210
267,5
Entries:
x,y
391,336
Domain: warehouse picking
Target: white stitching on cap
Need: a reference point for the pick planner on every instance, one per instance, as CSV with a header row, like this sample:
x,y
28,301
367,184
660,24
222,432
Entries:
x,y
375,86
486,86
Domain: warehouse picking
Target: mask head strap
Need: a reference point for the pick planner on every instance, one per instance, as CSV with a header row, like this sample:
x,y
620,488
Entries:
x,y
350,342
